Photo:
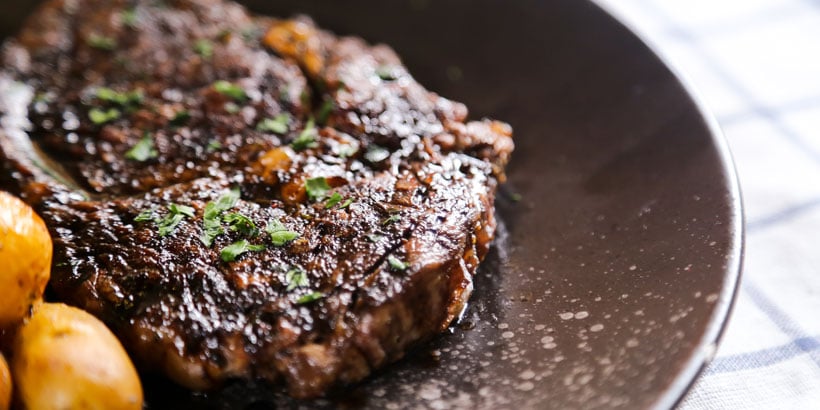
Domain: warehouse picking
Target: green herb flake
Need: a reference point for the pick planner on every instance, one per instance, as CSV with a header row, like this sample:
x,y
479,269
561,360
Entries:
x,y
214,145
306,138
310,297
102,42
242,224
396,263
125,99
374,237
333,200
325,111
143,150
278,125
180,118
316,188
391,219
515,197
279,234
232,251
176,214
230,90
181,209
296,278
211,218
346,203
107,94
211,229
250,33
284,93
386,73
129,17
376,153
204,48
223,203
99,117
145,216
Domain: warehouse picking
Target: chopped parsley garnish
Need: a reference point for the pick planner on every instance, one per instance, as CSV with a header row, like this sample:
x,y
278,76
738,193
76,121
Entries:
x,y
214,145
102,42
99,117
232,251
515,197
142,150
204,48
181,209
396,263
145,216
212,219
374,237
376,153
230,90
180,118
176,214
346,203
284,93
250,33
391,219
325,111
129,17
131,98
296,278
279,234
385,72
310,297
241,223
333,200
316,188
279,124
306,138
211,229
224,203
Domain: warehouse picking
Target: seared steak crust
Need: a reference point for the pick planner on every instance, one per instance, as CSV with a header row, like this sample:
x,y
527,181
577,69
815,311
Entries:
x,y
195,86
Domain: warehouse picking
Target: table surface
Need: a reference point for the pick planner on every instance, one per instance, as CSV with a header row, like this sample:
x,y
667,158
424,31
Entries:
x,y
756,64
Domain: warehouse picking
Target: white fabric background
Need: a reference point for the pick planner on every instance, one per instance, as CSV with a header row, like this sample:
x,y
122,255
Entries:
x,y
756,64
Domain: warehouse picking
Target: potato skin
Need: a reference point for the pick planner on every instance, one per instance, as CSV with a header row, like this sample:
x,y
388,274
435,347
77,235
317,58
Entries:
x,y
65,358
25,259
5,384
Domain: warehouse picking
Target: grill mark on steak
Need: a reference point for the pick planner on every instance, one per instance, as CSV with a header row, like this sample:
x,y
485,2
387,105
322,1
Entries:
x,y
387,144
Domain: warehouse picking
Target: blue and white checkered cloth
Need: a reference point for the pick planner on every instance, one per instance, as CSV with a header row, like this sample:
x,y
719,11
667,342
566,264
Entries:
x,y
756,63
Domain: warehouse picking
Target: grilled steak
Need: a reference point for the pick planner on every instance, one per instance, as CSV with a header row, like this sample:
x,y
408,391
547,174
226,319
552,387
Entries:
x,y
241,197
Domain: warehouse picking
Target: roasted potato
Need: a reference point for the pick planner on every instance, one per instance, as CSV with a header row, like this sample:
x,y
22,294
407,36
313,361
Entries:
x,y
5,384
25,259
65,358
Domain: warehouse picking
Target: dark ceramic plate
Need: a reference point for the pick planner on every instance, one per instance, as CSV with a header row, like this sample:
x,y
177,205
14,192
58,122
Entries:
x,y
613,275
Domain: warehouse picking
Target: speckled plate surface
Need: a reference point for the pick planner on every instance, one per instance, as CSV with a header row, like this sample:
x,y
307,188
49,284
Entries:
x,y
614,273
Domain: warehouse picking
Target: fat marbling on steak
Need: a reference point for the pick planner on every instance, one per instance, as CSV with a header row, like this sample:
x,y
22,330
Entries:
x,y
241,197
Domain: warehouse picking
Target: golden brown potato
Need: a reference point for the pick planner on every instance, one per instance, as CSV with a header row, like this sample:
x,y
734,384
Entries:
x,y
25,258
5,384
64,358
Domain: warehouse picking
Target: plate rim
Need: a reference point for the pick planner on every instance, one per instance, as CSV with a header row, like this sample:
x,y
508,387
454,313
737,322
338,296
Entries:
x,y
705,349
